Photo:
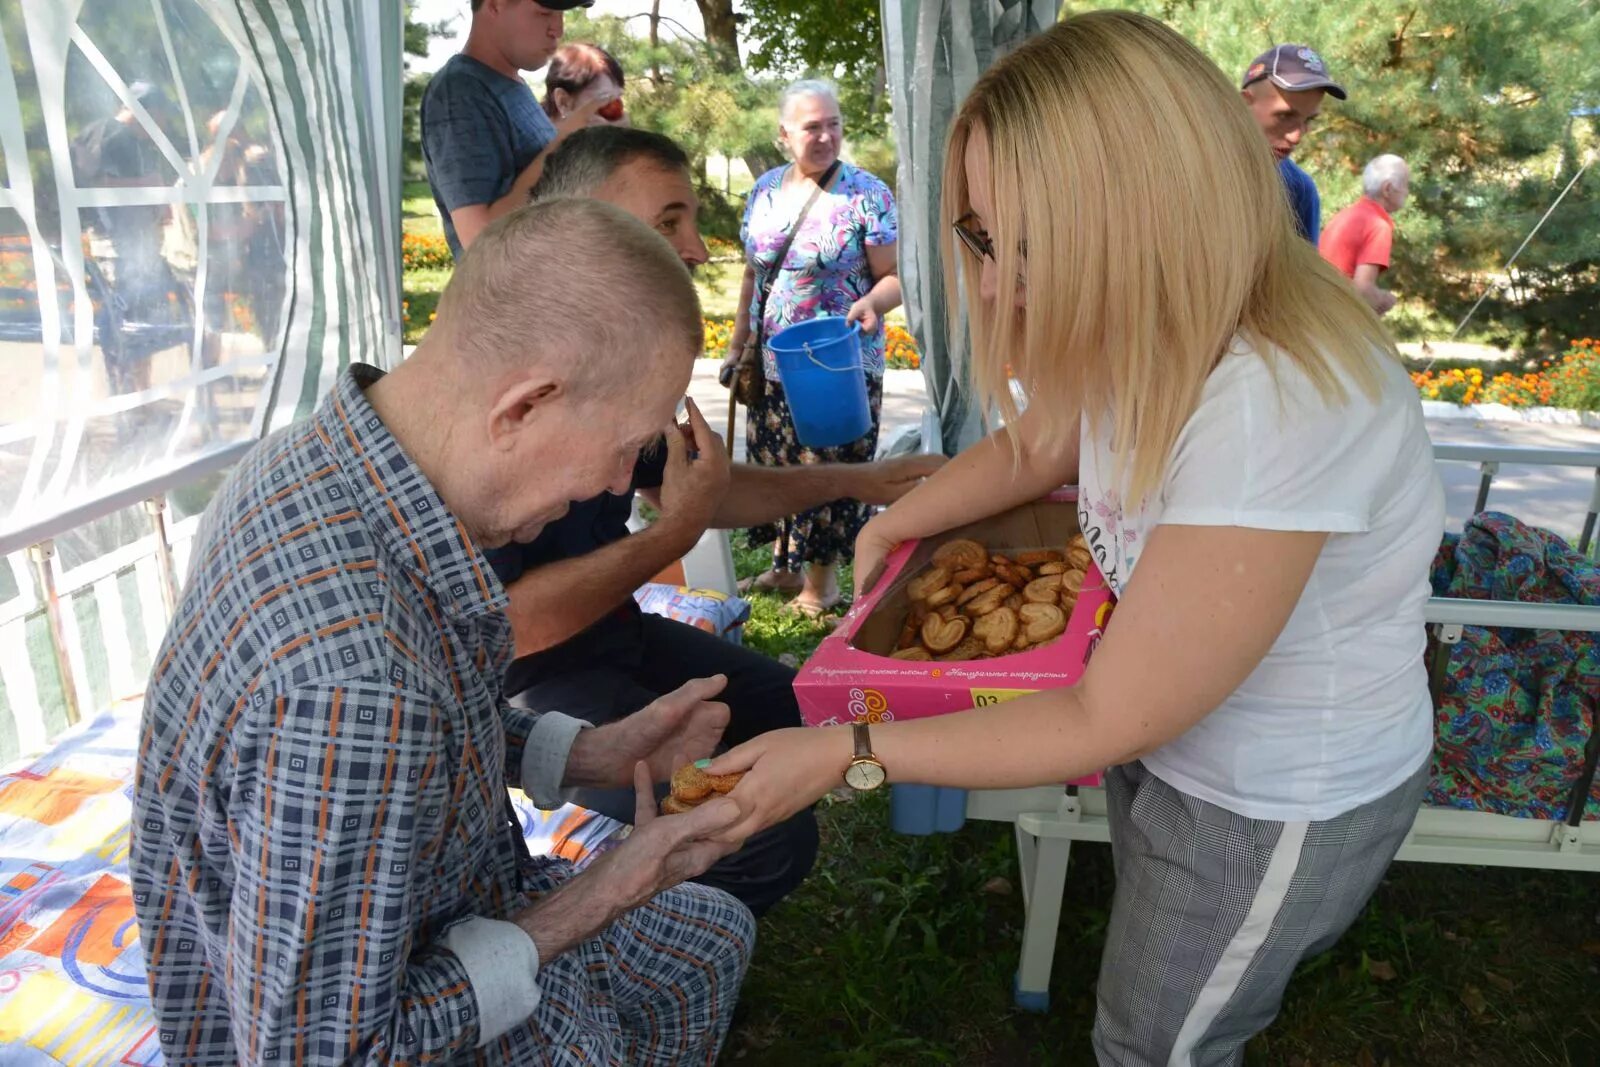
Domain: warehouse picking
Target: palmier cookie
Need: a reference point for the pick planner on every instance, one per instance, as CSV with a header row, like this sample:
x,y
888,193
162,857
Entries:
x,y
1078,556
1072,582
1012,575
671,805
915,654
691,784
971,575
908,635
1042,556
989,601
943,595
940,635
1046,569
927,583
1015,602
1042,622
1044,590
998,629
976,590
960,554
970,648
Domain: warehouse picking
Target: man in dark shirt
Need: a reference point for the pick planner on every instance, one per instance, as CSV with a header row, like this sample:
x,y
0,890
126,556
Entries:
x,y
1284,88
483,131
584,647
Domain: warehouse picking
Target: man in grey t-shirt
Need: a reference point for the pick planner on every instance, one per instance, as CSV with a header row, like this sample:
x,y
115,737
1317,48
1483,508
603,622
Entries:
x,y
483,131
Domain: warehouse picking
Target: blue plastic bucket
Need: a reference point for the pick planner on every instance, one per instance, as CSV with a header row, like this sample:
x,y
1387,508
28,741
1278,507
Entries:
x,y
819,364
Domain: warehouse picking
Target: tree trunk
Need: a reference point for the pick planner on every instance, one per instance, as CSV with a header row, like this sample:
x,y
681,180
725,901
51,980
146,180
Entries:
x,y
722,31
722,34
655,41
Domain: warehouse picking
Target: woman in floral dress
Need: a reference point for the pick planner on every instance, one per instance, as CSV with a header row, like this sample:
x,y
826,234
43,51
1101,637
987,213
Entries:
x,y
842,262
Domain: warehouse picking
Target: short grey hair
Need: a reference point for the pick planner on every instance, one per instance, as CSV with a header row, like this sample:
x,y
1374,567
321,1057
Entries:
x,y
1383,170
587,159
803,88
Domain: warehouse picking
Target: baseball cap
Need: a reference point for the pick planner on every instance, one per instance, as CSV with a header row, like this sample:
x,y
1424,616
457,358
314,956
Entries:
x,y
1293,68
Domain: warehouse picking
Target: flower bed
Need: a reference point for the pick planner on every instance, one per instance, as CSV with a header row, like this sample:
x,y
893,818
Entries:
x,y
1572,382
900,351
425,251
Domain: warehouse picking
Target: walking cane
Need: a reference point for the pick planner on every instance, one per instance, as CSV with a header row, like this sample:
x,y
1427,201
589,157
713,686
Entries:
x,y
733,419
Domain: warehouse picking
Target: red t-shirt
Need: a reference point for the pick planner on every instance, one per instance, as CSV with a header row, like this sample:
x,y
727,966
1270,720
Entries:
x,y
1361,233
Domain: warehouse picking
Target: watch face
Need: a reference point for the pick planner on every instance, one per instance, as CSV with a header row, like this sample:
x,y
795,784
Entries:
x,y
865,774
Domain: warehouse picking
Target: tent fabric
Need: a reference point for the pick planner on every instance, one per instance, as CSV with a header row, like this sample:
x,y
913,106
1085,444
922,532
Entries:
x,y
191,273
935,51
199,228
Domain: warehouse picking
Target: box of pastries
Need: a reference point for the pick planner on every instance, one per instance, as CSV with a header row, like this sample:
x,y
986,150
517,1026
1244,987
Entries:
x,y
1006,606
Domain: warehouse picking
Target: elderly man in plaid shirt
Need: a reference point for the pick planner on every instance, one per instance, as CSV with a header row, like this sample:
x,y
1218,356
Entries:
x,y
325,868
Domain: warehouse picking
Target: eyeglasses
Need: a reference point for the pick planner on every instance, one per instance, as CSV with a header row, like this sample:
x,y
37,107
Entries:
x,y
977,242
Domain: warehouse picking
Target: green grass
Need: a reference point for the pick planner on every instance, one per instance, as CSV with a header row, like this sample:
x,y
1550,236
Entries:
x,y
418,213
901,950
719,285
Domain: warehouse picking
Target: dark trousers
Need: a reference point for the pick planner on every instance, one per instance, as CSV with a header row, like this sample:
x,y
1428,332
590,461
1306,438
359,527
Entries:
x,y
621,669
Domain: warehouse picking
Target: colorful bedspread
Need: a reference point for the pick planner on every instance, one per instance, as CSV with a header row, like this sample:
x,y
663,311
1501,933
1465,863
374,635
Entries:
x,y
1519,705
72,979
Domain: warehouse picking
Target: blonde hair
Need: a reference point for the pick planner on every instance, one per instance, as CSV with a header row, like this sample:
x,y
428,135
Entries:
x,y
1156,230
576,282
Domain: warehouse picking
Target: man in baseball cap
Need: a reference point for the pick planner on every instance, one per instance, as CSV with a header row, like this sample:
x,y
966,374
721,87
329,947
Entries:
x,y
484,135
1283,88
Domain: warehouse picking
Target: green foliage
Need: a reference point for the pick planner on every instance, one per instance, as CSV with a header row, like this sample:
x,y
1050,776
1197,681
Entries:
x,y
838,39
418,35
680,88
1477,95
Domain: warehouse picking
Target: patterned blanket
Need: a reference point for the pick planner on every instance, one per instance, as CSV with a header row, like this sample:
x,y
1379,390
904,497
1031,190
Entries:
x,y
1519,705
72,978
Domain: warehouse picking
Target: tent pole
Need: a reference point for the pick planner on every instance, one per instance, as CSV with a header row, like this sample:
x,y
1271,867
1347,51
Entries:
x,y
40,555
156,508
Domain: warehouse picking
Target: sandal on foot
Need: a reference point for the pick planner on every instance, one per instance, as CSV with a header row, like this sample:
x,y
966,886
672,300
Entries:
x,y
814,609
771,582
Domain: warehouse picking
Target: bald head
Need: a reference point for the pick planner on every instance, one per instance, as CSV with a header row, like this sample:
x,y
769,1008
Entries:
x,y
576,286
563,343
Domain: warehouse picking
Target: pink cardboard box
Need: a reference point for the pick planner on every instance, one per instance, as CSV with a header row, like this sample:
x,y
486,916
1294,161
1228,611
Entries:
x,y
852,675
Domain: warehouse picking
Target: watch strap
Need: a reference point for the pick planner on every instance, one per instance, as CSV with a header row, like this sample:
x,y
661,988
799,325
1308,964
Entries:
x,y
863,740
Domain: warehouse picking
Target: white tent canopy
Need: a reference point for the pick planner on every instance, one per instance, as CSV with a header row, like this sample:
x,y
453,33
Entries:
x,y
199,227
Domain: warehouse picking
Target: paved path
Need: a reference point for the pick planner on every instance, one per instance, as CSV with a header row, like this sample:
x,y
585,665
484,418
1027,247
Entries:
x,y
1555,498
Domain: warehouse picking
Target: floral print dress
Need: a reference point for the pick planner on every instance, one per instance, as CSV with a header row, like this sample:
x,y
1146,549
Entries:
x,y
824,273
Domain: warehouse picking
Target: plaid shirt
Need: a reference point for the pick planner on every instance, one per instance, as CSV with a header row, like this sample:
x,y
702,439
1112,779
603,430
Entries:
x,y
322,860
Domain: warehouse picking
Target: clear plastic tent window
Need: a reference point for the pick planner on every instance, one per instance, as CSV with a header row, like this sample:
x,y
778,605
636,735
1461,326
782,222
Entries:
x,y
143,245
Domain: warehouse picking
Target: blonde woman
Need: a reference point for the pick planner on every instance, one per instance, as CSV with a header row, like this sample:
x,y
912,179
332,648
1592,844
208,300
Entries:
x,y
1258,488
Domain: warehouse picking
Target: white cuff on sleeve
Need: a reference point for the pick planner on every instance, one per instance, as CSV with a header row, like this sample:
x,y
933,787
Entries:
x,y
502,963
544,760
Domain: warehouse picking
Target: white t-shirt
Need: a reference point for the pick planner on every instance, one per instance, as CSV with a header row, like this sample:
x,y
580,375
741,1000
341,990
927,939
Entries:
x,y
1338,713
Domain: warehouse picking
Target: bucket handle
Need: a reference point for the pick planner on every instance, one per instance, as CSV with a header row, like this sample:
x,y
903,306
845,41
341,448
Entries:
x,y
855,327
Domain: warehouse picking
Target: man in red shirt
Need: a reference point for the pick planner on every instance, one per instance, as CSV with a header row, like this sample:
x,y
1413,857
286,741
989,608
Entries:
x,y
1357,239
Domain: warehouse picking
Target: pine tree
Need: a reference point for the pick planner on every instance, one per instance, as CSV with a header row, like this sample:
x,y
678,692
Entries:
x,y
1478,96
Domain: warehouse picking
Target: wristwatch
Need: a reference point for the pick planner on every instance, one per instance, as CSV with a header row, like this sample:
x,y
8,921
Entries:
x,y
866,772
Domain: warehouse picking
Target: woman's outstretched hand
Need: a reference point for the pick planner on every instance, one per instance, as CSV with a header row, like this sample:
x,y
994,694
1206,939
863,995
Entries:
x,y
785,771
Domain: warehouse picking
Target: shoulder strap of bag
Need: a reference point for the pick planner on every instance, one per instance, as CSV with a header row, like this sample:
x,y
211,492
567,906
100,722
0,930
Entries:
x,y
783,253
